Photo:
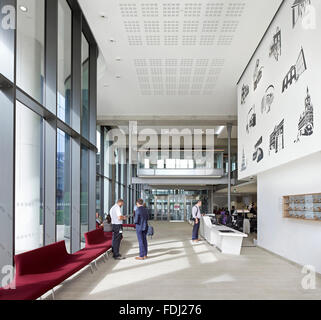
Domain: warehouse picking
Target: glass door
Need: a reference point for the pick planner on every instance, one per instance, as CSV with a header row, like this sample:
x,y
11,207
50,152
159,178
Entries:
x,y
177,207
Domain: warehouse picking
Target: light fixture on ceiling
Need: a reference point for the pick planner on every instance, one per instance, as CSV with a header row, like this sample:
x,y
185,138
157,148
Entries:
x,y
118,59
23,8
103,15
220,130
112,40
118,77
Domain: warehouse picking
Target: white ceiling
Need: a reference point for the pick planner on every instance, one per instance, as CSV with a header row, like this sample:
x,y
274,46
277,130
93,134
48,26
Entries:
x,y
174,58
243,188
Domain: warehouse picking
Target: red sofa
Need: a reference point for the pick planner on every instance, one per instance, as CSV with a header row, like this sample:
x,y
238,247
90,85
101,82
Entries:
x,y
38,271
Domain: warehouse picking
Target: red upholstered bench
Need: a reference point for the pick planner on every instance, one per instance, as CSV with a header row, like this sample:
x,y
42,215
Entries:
x,y
98,242
39,271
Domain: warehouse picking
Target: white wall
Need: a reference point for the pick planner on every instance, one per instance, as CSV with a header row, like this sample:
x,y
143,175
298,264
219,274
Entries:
x,y
296,240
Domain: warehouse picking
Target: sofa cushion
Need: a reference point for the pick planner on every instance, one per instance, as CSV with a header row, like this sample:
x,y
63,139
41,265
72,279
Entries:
x,y
41,260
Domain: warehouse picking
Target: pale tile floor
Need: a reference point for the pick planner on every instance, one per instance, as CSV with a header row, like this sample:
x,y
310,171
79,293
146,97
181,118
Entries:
x,y
177,269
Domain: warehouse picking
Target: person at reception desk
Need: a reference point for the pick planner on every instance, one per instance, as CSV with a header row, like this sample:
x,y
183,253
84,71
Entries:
x,y
196,214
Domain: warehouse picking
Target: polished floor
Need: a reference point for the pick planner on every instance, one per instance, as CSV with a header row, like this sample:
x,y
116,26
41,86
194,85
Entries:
x,y
177,269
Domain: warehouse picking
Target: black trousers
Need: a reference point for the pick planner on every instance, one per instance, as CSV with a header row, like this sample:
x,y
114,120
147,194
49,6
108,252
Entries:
x,y
117,237
196,229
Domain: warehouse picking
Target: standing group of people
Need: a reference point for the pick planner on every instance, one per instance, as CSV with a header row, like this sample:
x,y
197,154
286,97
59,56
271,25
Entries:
x,y
114,223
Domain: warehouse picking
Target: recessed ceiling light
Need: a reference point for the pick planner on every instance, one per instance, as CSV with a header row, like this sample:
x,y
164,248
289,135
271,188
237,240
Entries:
x,y
23,8
118,59
118,77
220,130
106,85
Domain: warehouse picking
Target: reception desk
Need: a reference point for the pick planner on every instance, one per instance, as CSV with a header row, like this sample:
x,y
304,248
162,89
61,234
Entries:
x,y
227,240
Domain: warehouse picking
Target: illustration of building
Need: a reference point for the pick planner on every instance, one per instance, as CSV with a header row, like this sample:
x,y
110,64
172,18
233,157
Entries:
x,y
277,138
258,154
299,9
258,73
295,72
306,122
251,119
276,46
267,99
245,93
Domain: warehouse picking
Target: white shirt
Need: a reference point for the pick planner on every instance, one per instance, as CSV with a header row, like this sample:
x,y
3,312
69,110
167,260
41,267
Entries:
x,y
196,212
115,213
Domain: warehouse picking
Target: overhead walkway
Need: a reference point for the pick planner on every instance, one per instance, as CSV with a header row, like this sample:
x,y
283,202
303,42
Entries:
x,y
177,269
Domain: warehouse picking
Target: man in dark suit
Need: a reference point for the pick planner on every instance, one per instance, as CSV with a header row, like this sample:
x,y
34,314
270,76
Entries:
x,y
141,221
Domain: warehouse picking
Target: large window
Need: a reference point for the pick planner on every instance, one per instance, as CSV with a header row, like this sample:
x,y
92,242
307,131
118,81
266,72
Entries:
x,y
84,189
63,213
64,61
30,47
45,189
29,180
85,88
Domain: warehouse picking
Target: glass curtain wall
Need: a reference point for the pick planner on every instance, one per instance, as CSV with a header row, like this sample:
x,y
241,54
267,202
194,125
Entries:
x,y
85,87
63,209
64,61
40,141
31,48
84,189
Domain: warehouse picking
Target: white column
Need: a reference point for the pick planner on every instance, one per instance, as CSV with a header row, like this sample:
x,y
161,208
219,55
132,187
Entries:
x,y
28,180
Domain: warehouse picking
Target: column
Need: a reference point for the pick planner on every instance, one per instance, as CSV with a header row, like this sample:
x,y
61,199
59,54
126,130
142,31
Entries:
x,y
229,133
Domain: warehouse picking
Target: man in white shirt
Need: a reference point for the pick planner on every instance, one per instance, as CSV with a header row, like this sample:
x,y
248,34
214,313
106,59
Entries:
x,y
117,225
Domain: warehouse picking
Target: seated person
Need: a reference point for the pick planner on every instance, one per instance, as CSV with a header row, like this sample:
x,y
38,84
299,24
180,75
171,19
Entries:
x,y
99,223
107,224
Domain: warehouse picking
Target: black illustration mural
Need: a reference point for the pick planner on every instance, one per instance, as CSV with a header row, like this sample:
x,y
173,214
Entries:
x,y
267,99
251,119
277,138
258,73
295,71
299,9
276,46
306,122
258,154
245,93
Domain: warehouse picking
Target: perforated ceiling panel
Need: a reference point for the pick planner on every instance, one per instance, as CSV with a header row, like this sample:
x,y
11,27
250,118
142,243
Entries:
x,y
178,76
199,24
173,56
176,24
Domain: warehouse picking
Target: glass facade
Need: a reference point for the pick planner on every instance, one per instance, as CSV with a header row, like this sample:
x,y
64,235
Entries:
x,y
46,189
63,208
31,48
64,61
29,180
84,192
84,87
